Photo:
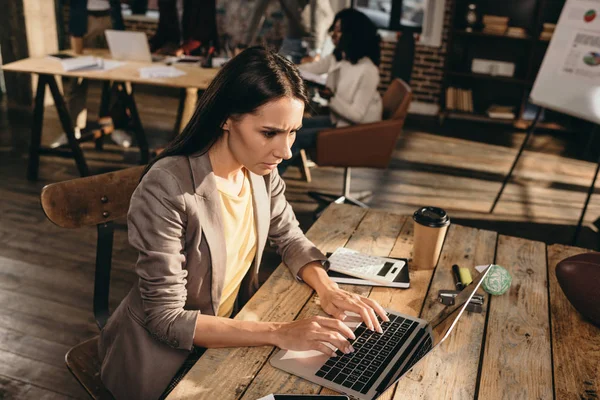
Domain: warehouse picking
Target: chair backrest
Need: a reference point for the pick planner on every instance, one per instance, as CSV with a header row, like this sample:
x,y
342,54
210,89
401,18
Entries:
x,y
396,100
367,145
93,200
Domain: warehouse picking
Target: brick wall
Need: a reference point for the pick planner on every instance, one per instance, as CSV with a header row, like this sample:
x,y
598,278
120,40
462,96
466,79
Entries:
x,y
385,64
147,26
427,73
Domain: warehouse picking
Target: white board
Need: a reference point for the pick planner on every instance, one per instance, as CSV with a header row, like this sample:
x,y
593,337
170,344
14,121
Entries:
x,y
569,79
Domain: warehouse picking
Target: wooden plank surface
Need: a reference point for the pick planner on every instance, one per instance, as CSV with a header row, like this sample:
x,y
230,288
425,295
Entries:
x,y
575,341
195,77
516,361
35,348
450,371
15,389
38,373
230,371
375,234
407,301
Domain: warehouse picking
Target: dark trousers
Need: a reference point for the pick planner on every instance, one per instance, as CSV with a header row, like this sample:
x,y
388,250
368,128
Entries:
x,y
306,138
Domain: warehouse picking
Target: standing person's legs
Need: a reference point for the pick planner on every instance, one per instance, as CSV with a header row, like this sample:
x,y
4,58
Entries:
x,y
94,37
168,34
306,138
77,96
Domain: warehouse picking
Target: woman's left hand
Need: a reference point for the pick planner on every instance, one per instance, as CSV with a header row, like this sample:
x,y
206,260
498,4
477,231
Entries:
x,y
336,302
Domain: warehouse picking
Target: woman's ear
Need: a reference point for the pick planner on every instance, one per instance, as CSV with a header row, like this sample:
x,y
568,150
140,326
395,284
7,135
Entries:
x,y
226,125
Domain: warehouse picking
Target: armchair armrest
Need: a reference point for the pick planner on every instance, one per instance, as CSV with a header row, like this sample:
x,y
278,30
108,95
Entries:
x,y
365,145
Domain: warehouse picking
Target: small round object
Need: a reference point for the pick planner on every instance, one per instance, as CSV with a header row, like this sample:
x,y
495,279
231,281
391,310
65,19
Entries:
x,y
497,281
104,199
105,214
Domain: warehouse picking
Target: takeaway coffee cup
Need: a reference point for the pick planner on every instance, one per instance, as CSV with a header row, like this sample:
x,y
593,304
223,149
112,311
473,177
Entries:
x,y
431,224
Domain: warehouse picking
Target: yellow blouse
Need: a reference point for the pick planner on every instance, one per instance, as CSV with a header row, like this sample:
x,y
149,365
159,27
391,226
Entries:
x,y
240,239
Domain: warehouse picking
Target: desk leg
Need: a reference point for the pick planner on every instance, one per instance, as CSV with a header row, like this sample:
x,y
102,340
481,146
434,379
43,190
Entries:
x,y
104,109
67,125
36,129
189,107
177,129
140,135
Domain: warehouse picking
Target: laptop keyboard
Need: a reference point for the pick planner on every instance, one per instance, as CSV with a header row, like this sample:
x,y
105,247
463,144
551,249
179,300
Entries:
x,y
372,353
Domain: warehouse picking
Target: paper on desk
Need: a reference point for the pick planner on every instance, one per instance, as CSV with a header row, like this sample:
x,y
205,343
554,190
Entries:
x,y
267,397
79,63
110,64
160,71
89,63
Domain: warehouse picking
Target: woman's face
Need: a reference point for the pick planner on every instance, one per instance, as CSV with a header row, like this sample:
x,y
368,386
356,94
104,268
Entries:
x,y
336,33
261,140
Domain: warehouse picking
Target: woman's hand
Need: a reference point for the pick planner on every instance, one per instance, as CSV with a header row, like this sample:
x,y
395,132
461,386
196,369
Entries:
x,y
326,93
336,302
314,334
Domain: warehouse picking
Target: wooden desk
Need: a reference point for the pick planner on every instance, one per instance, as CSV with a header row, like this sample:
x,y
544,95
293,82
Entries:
x,y
529,343
195,78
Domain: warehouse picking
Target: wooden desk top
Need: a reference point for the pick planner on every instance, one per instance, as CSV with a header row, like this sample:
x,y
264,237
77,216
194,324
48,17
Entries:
x,y
529,343
195,76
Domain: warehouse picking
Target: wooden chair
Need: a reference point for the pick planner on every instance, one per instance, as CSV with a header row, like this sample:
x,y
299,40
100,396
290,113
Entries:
x,y
365,145
94,200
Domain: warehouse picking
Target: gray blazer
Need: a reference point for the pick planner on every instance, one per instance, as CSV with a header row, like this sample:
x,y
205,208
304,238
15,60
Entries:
x,y
174,221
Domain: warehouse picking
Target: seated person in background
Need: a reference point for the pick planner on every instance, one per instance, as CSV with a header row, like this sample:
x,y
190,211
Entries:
x,y
352,79
200,218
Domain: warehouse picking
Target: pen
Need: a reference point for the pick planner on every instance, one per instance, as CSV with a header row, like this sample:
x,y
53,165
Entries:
x,y
456,275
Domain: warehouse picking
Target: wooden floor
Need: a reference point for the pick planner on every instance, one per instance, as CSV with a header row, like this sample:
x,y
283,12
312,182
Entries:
x,y
46,273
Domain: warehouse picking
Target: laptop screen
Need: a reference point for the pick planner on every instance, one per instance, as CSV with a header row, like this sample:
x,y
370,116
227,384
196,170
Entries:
x,y
443,323
436,331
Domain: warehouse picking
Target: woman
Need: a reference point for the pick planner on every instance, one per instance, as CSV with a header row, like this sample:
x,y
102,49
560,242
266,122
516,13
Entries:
x,y
352,78
200,218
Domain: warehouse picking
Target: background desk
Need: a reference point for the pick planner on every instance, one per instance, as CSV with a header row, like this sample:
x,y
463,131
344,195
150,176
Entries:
x,y
529,343
196,78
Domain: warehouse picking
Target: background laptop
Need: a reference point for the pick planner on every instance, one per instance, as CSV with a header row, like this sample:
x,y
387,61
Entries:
x,y
379,360
128,46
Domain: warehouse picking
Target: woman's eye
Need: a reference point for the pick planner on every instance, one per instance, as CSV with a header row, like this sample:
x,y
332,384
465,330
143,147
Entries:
x,y
269,134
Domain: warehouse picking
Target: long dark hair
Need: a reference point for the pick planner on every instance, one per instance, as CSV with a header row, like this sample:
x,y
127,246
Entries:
x,y
254,77
359,37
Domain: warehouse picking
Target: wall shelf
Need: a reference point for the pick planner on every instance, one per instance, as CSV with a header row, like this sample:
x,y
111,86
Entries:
x,y
526,53
461,32
499,78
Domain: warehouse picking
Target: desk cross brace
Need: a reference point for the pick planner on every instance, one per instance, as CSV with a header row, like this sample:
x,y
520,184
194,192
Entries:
x,y
35,148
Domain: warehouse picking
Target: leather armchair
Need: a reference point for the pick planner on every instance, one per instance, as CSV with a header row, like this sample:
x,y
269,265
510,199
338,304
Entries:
x,y
365,145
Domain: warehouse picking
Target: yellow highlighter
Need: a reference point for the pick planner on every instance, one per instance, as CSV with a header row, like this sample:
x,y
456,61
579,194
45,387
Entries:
x,y
465,276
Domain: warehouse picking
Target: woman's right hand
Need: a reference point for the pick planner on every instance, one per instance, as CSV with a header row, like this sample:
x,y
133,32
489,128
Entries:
x,y
326,93
313,334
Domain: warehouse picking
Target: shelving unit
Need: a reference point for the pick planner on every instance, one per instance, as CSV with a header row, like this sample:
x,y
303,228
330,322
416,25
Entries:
x,y
499,78
526,53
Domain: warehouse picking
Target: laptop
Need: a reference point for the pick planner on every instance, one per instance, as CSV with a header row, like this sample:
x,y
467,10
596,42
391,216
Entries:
x,y
128,46
378,360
